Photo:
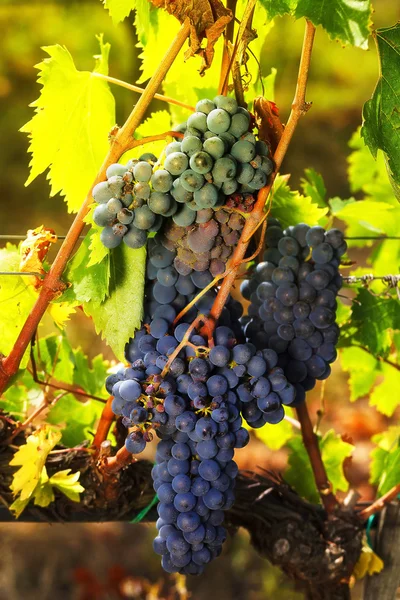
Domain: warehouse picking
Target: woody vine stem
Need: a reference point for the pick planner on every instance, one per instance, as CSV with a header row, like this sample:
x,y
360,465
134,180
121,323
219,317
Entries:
x,y
121,142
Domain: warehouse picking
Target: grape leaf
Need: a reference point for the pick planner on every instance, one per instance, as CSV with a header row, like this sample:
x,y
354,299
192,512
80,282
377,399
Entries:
x,y
119,9
16,300
385,460
368,562
367,174
291,207
67,483
361,367
347,21
23,393
371,319
334,451
88,281
75,419
53,357
120,314
313,186
69,132
90,375
164,28
365,216
31,458
381,114
384,396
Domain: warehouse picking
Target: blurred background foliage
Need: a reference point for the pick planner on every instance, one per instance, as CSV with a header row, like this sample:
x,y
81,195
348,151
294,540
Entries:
x,y
341,80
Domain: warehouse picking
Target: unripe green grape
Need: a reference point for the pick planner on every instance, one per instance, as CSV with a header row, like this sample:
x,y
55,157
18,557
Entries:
x,y
114,205
243,151
101,192
135,238
205,106
191,181
215,147
161,181
116,169
125,216
201,162
109,239
184,217
142,171
218,121
207,196
144,218
102,216
159,203
198,120
172,147
176,163
191,144
239,124
226,103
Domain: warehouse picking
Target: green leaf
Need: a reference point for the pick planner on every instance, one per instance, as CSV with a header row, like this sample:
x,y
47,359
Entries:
x,y
313,186
334,451
384,396
21,395
88,281
371,319
291,207
17,297
118,317
381,126
367,174
385,460
119,9
67,483
75,419
347,21
90,376
361,367
69,132
365,216
53,358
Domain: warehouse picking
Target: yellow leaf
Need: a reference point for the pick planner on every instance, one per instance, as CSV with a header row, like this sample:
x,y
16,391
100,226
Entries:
x,y
68,484
61,312
368,562
32,457
73,116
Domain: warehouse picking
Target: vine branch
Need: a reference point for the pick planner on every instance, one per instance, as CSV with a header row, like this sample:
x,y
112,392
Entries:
x,y
380,503
311,445
52,282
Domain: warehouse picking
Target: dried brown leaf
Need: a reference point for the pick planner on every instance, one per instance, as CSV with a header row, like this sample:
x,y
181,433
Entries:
x,y
268,123
34,250
208,19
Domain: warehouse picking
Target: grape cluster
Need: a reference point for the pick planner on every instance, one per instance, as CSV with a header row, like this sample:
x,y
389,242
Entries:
x,y
293,301
218,162
132,202
217,158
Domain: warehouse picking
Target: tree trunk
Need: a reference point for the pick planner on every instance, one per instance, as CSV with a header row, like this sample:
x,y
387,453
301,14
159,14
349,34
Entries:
x,y
384,585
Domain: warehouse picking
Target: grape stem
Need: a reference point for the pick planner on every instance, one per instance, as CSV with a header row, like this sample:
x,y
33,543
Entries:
x,y
120,141
103,428
228,38
139,90
380,503
310,441
113,464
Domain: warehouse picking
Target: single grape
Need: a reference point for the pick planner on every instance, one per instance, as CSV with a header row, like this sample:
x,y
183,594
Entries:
x,y
109,239
218,120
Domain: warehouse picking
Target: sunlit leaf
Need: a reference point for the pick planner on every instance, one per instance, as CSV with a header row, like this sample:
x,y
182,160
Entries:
x,y
291,207
368,562
119,9
69,131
